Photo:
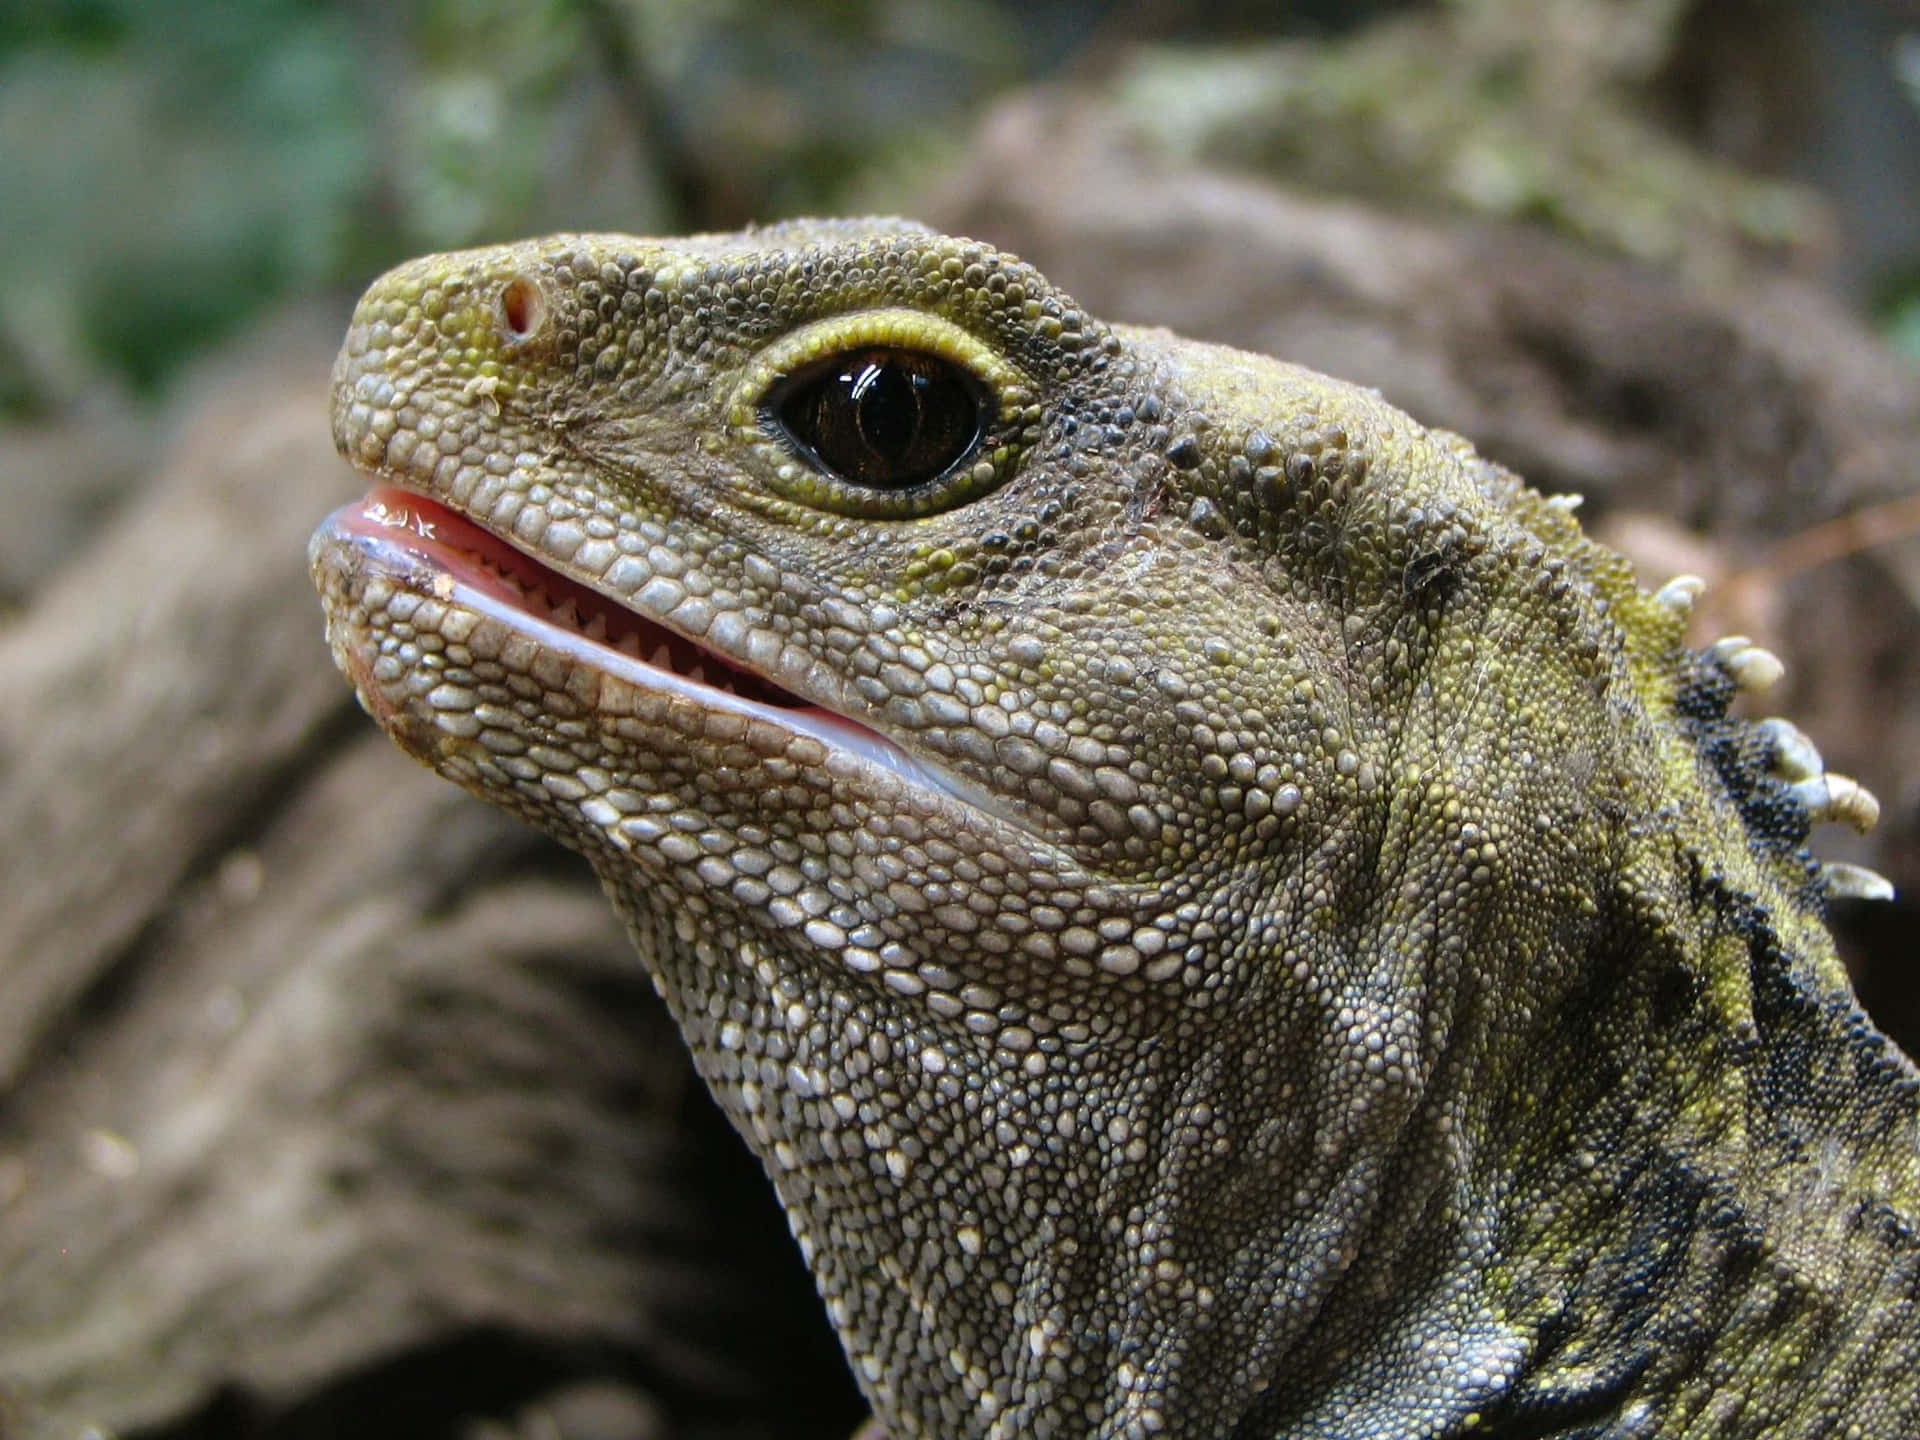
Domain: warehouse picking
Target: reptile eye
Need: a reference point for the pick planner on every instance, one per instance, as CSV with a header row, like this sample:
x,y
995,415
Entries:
x,y
883,419
893,414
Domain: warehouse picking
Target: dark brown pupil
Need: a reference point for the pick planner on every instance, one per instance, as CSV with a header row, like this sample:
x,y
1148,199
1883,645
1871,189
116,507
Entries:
x,y
884,419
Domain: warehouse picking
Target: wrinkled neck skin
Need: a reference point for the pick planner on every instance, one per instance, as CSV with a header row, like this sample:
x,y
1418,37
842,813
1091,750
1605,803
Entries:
x,y
1475,1128
1290,1239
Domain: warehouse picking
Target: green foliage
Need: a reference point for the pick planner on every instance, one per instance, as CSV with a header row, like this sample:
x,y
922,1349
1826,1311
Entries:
x,y
164,172
1902,325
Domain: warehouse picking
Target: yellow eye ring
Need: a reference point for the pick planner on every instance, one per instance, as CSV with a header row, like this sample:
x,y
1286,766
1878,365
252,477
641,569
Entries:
x,y
884,414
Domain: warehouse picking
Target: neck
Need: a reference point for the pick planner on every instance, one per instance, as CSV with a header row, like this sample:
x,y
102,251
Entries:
x,y
1403,1203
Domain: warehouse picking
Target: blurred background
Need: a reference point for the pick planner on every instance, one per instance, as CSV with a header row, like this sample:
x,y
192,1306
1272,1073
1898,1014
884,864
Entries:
x,y
173,167
332,1102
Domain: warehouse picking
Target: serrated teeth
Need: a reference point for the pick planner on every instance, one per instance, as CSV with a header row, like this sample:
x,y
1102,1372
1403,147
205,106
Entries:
x,y
629,644
596,626
1795,757
513,583
1837,797
1680,593
662,656
1854,882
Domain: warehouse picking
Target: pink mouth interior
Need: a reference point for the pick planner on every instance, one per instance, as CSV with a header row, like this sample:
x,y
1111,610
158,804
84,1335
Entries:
x,y
476,558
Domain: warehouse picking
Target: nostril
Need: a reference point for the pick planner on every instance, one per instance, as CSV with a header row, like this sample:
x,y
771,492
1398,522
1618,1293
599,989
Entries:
x,y
521,307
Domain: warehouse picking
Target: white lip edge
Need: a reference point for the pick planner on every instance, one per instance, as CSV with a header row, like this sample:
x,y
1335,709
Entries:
x,y
833,730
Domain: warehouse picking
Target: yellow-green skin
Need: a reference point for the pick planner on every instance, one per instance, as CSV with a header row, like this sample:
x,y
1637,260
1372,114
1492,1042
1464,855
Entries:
x,y
1354,980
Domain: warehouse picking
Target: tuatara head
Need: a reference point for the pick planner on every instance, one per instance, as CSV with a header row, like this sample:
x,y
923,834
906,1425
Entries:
x,y
1131,831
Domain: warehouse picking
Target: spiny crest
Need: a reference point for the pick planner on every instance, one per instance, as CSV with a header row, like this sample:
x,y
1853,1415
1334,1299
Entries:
x,y
1770,769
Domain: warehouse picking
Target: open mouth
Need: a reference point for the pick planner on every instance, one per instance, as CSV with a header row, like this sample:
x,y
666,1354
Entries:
x,y
434,549
486,566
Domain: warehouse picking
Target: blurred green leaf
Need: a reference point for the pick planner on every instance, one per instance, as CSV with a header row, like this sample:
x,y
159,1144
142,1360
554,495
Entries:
x,y
165,175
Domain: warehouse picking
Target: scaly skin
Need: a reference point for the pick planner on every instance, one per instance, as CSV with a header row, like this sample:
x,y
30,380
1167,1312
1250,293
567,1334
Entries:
x,y
1313,957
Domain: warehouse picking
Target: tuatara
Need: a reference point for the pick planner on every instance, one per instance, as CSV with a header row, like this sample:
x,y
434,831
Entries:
x,y
1221,911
